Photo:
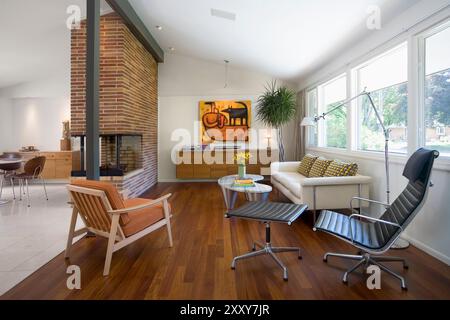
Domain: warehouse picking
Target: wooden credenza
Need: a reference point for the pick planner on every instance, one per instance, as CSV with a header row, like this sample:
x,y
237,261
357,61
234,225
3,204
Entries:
x,y
58,165
216,164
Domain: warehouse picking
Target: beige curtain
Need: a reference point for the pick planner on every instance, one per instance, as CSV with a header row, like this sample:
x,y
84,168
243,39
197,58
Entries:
x,y
300,132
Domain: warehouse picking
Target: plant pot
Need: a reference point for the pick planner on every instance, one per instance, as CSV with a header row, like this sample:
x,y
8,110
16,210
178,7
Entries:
x,y
241,171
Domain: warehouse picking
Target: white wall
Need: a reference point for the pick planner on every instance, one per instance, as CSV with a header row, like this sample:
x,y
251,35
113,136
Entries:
x,y
54,86
38,122
183,82
5,124
430,229
34,112
395,31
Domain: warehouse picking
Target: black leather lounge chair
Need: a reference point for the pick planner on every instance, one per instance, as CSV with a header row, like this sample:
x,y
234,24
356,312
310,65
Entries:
x,y
374,237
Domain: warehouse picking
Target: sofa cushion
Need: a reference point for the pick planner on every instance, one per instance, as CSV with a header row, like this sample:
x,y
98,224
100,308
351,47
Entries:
x,y
319,167
291,181
306,165
114,198
141,219
341,169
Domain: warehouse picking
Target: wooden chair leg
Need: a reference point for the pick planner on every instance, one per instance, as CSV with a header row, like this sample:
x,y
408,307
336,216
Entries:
x,y
169,228
111,241
73,222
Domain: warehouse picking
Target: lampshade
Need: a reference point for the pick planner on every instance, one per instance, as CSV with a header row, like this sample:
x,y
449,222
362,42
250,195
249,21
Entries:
x,y
309,122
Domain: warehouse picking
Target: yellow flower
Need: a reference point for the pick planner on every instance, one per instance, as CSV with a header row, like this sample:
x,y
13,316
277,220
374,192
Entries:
x,y
242,157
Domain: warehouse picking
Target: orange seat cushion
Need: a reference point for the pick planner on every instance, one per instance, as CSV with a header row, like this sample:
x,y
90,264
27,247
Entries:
x,y
141,219
111,192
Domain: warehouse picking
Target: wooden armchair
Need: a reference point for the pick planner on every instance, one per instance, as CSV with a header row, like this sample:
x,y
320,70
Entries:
x,y
105,213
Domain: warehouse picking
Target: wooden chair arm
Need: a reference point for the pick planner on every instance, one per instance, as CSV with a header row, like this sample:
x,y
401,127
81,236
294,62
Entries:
x,y
142,206
125,193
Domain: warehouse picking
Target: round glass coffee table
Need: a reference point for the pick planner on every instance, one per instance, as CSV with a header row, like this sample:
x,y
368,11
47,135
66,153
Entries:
x,y
260,192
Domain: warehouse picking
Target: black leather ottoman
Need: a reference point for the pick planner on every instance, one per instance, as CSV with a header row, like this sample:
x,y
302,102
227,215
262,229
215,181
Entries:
x,y
268,212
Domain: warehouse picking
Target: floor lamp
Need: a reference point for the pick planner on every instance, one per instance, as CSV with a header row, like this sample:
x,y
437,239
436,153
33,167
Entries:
x,y
313,121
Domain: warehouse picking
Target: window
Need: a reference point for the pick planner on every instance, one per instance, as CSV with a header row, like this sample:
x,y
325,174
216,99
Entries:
x,y
437,90
440,131
386,78
311,101
333,131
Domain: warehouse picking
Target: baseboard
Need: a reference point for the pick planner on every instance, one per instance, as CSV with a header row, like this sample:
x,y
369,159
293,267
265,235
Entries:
x,y
420,245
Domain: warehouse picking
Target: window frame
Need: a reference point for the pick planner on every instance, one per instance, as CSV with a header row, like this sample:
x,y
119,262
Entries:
x,y
416,89
420,41
355,72
310,141
321,133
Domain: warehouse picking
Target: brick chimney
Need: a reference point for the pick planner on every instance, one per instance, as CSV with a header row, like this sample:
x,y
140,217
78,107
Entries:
x,y
128,93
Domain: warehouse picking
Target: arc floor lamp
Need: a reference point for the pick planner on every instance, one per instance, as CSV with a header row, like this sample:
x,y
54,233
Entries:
x,y
313,121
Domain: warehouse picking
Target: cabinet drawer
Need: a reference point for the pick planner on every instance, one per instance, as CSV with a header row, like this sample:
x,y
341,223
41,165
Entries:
x,y
185,171
49,169
48,155
63,169
219,171
232,169
202,171
253,169
63,156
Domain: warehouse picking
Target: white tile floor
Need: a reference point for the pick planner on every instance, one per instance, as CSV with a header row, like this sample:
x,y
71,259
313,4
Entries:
x,y
30,237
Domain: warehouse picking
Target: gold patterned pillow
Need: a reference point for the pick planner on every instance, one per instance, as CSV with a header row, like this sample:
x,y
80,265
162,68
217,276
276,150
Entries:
x,y
341,169
306,165
319,167
352,169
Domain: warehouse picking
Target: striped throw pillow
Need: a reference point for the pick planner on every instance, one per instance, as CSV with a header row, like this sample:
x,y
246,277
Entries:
x,y
319,167
306,165
341,169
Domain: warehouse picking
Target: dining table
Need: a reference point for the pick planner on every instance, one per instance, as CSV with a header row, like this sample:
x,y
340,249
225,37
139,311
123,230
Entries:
x,y
5,164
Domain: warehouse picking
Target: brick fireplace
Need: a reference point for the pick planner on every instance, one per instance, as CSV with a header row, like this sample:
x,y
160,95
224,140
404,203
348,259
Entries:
x,y
128,103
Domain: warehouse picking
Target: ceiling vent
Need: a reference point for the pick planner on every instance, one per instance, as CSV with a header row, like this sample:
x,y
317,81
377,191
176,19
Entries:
x,y
223,14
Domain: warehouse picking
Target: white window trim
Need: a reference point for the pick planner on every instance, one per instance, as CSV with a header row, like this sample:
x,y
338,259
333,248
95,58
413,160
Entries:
x,y
321,124
421,74
356,145
310,141
416,133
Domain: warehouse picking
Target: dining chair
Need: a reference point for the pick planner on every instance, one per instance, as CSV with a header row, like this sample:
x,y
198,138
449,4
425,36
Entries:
x,y
32,172
8,169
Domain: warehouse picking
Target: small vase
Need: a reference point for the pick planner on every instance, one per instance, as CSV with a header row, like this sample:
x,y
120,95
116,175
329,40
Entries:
x,y
241,171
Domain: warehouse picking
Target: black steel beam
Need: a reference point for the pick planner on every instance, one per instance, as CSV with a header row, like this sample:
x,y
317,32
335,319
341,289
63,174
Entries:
x,y
124,9
92,90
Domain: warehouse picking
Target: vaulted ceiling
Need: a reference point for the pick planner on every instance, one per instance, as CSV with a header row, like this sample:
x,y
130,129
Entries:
x,y
283,38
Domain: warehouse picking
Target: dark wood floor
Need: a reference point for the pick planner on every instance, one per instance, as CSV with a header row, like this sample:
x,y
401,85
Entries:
x,y
198,266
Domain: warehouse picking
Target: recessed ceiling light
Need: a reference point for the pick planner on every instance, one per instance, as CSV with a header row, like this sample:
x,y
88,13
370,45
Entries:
x,y
171,48
159,28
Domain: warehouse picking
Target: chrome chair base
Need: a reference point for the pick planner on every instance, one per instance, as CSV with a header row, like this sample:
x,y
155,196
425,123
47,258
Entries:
x,y
366,260
268,249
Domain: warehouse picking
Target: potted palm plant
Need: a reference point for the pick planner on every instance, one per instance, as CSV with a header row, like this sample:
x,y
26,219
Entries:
x,y
276,107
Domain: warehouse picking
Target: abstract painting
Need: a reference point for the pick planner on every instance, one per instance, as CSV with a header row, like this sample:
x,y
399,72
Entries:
x,y
224,121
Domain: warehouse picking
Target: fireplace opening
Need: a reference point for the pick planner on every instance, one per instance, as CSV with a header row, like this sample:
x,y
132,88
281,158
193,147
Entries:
x,y
119,154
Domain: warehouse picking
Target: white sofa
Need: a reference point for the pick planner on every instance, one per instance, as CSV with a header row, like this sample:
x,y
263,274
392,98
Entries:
x,y
318,193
